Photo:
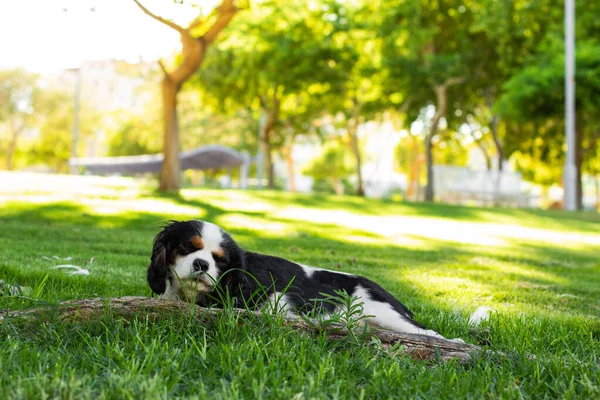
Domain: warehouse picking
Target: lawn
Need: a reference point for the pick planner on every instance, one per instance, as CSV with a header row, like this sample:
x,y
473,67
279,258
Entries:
x,y
539,270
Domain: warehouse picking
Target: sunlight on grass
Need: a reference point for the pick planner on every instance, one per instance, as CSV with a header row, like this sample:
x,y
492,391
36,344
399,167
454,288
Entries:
x,y
265,228
145,205
486,234
68,186
393,226
230,200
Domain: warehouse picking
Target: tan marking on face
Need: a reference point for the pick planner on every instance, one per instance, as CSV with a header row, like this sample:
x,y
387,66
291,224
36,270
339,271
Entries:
x,y
197,242
219,252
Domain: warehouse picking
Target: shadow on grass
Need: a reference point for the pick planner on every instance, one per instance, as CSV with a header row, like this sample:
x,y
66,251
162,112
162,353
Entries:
x,y
585,221
520,272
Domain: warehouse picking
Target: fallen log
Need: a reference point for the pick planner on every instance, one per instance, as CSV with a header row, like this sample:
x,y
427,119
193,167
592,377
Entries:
x,y
418,347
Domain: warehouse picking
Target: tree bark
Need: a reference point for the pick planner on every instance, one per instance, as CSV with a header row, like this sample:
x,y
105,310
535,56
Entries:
x,y
272,112
170,173
12,146
440,110
193,51
338,186
597,184
497,142
353,133
441,96
488,159
360,190
287,152
414,170
578,163
418,347
268,155
494,130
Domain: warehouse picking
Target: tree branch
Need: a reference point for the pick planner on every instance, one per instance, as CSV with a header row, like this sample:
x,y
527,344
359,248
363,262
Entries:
x,y
419,347
195,23
199,20
164,70
456,80
161,19
226,12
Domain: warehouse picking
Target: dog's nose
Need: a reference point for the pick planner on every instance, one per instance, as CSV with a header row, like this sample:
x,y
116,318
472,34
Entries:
x,y
200,265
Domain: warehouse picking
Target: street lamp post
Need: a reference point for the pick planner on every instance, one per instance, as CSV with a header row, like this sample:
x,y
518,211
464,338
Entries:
x,y
74,169
77,101
570,175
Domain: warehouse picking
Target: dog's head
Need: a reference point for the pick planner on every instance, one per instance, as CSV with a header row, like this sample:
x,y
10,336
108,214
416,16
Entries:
x,y
192,256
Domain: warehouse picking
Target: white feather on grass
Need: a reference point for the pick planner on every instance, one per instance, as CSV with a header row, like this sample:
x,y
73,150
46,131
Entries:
x,y
68,258
481,314
77,269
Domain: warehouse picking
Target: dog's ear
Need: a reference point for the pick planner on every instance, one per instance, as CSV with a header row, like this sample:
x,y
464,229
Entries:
x,y
158,270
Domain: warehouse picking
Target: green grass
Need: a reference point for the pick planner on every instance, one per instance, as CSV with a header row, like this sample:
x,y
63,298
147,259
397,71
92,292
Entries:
x,y
539,270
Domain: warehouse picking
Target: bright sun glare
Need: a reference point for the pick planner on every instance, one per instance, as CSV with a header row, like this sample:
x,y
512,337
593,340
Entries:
x,y
42,37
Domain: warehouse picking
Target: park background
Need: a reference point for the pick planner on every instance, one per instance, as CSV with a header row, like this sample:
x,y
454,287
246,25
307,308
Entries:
x,y
378,92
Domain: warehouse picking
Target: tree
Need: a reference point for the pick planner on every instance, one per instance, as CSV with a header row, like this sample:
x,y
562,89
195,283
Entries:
x,y
332,164
52,146
281,59
17,94
534,99
192,56
410,153
360,94
428,50
509,33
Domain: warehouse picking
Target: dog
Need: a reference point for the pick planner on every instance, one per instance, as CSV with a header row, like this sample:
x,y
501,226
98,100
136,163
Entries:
x,y
196,260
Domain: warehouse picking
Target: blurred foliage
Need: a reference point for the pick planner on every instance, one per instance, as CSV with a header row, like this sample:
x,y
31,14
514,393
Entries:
x,y
333,165
18,94
448,151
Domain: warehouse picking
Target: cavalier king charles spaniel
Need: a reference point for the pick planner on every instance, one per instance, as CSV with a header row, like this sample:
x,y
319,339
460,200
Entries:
x,y
197,261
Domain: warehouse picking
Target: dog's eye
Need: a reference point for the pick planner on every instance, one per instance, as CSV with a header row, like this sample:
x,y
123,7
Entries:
x,y
219,258
186,248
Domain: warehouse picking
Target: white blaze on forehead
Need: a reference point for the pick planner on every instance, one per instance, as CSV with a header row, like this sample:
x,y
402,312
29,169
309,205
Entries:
x,y
212,236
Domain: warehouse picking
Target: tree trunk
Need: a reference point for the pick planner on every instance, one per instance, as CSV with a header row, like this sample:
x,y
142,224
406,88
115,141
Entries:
x,y
441,96
440,111
192,55
429,193
500,152
488,159
597,183
272,113
268,154
499,149
578,162
12,147
287,151
497,142
170,174
494,131
418,347
338,186
352,132
415,170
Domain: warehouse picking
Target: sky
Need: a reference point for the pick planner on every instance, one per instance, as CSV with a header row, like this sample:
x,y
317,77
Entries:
x,y
40,36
